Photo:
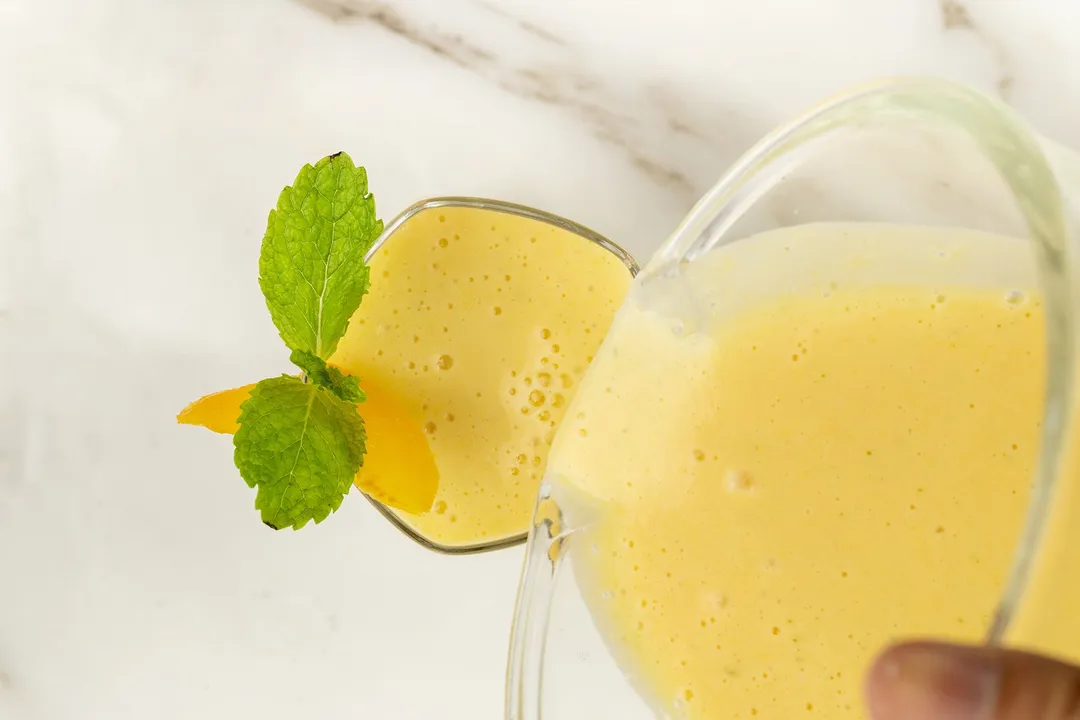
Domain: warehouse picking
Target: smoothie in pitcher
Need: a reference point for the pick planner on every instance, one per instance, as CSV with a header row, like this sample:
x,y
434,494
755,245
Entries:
x,y
770,473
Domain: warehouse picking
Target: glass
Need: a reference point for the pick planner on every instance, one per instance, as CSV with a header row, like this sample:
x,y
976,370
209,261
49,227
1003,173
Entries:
x,y
535,222
907,151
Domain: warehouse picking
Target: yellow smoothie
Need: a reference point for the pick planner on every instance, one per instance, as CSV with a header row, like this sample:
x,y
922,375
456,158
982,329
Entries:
x,y
770,481
482,324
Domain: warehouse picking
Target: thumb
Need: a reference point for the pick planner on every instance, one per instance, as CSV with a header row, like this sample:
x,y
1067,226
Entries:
x,y
934,681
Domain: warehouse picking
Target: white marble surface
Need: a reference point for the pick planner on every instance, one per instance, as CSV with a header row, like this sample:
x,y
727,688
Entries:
x,y
142,143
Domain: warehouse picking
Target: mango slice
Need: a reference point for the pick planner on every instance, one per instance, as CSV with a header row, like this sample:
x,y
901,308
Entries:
x,y
399,468
217,411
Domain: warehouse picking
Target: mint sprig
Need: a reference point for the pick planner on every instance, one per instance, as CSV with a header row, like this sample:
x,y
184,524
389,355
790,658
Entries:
x,y
301,441
300,446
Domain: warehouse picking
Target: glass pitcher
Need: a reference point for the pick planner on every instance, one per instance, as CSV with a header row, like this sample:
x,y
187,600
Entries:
x,y
908,153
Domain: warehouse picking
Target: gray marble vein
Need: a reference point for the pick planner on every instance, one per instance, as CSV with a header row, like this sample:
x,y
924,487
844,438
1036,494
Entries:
x,y
556,81
531,28
955,16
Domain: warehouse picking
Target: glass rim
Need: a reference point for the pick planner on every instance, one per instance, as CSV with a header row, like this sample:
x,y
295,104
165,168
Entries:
x,y
506,208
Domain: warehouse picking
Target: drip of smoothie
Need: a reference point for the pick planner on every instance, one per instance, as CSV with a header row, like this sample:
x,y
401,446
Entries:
x,y
796,449
483,323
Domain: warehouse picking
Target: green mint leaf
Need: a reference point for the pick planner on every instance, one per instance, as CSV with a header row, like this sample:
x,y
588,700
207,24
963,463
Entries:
x,y
301,447
311,365
311,268
317,371
346,387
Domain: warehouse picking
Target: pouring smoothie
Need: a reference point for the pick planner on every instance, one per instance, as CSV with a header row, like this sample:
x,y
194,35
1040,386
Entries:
x,y
832,413
821,469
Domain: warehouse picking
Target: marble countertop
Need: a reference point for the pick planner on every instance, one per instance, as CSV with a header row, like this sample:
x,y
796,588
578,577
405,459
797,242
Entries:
x,y
141,144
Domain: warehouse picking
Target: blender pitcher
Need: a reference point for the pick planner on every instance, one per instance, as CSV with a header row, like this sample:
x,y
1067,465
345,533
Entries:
x,y
911,152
